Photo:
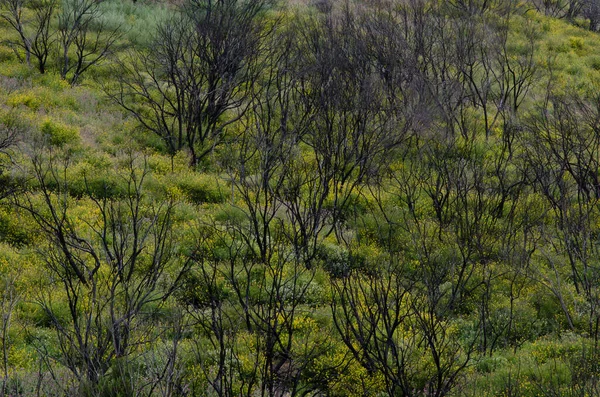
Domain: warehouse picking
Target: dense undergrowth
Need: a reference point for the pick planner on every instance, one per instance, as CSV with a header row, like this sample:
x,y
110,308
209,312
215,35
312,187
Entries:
x,y
372,198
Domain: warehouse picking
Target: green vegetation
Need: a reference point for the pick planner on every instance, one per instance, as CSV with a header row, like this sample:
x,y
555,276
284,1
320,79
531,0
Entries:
x,y
328,198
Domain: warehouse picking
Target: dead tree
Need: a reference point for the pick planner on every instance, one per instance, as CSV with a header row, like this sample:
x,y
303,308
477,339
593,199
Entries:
x,y
81,32
192,83
110,269
35,36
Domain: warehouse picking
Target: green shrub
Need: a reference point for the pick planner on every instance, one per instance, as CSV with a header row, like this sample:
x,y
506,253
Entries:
x,y
336,260
97,184
18,70
11,230
53,81
27,99
594,62
200,188
138,21
57,133
117,382
230,214
545,350
41,317
6,54
490,364
576,43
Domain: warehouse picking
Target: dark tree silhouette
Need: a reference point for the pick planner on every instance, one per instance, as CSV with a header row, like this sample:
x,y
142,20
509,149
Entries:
x,y
35,36
193,81
113,269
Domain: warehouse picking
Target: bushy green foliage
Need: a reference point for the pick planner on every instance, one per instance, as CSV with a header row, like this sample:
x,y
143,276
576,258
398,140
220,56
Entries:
x,y
138,20
463,236
58,133
12,230
200,189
